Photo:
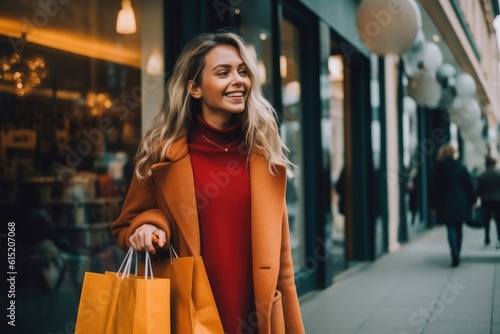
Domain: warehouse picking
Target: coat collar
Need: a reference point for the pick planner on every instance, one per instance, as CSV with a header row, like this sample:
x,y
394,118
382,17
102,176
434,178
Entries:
x,y
179,150
175,183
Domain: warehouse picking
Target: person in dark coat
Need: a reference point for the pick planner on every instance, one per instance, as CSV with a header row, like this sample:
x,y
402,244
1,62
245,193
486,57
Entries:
x,y
452,197
488,189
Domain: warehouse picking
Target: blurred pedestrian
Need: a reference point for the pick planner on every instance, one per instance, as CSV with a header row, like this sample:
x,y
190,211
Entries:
x,y
452,197
210,178
488,189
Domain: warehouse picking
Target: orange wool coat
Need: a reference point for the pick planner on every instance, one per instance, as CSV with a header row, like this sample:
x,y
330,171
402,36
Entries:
x,y
167,200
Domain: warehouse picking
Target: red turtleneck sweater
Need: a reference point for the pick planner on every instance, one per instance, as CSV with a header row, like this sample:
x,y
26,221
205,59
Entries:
x,y
222,187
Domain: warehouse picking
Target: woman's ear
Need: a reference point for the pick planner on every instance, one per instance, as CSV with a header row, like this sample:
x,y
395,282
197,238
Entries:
x,y
193,89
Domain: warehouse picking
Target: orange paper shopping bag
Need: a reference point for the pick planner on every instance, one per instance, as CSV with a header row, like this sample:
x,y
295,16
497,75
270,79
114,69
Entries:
x,y
143,305
193,308
98,300
113,303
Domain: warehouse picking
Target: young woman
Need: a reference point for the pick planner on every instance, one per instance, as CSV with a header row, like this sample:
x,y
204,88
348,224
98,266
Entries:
x,y
210,178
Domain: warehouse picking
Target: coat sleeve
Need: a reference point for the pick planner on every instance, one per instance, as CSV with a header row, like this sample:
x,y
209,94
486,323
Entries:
x,y
138,208
286,282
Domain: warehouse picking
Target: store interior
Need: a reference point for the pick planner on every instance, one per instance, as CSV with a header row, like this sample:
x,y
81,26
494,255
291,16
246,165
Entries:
x,y
70,123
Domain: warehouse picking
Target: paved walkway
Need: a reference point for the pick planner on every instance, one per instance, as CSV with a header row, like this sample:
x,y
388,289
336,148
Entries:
x,y
414,290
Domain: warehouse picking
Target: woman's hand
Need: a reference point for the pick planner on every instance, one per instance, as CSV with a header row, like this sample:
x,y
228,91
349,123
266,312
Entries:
x,y
142,238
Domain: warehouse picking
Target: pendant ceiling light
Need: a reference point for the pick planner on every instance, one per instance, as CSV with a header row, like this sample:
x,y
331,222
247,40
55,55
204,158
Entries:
x,y
125,23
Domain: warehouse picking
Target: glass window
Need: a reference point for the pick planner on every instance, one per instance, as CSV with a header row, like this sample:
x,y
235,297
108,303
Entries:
x,y
333,140
377,202
411,162
254,24
411,159
291,132
70,123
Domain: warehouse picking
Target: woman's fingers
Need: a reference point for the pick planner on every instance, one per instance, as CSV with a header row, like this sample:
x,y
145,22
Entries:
x,y
133,243
158,237
141,239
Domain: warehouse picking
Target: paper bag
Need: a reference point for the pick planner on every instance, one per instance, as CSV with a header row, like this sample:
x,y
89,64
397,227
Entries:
x,y
193,308
118,302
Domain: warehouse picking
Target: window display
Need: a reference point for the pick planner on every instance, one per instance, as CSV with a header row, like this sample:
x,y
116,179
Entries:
x,y
70,123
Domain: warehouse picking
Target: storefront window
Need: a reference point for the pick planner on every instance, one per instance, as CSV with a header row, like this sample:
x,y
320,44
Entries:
x,y
70,123
411,162
291,131
333,137
253,20
377,202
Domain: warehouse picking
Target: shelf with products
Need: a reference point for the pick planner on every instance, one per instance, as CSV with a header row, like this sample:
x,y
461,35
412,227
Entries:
x,y
85,239
84,225
68,212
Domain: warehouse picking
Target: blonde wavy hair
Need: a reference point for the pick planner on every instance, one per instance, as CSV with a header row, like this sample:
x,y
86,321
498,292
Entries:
x,y
175,117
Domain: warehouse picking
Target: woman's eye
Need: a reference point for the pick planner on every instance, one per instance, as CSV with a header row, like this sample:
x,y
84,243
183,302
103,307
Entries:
x,y
243,72
222,73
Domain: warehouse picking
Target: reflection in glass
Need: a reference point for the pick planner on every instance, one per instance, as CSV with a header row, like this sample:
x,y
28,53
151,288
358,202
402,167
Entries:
x,y
291,133
70,123
411,160
333,141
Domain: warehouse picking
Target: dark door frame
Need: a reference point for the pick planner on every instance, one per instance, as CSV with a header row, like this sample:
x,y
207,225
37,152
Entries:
x,y
359,159
311,275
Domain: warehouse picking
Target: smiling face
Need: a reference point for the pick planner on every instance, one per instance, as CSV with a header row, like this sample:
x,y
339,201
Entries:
x,y
224,87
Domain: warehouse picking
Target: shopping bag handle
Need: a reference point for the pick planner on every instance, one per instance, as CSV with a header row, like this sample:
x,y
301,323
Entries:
x,y
173,253
127,262
148,266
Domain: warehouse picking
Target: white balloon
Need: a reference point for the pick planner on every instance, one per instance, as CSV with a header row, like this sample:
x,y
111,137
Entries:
x,y
410,57
465,112
466,86
432,57
448,94
425,90
425,57
434,95
388,28
446,75
473,132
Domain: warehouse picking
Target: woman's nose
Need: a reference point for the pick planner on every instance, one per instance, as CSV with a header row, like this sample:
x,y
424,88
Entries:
x,y
236,79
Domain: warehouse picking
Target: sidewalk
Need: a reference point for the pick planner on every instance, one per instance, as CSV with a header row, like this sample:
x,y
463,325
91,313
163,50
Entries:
x,y
414,290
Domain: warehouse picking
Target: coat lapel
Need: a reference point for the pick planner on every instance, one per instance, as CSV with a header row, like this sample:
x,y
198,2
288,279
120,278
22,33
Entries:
x,y
267,196
175,183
